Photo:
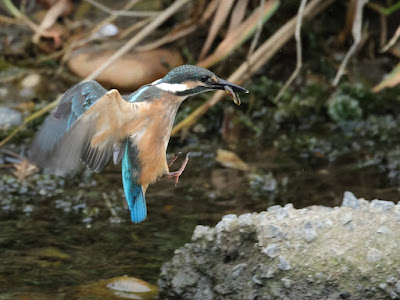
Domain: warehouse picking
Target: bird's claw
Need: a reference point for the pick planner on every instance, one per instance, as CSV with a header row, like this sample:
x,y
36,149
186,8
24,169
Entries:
x,y
173,159
179,172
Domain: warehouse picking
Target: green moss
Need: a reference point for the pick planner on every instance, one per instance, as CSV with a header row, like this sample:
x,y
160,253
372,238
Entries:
x,y
344,108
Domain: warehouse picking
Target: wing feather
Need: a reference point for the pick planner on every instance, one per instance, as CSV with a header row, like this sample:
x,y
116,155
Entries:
x,y
72,105
95,135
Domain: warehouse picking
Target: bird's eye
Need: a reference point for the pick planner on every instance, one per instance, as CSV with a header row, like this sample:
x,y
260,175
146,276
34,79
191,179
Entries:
x,y
204,79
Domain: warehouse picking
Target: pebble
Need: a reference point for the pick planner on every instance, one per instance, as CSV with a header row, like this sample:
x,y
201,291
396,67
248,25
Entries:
x,y
9,117
309,232
30,85
201,231
384,230
394,295
397,286
272,250
349,200
283,264
274,231
287,283
278,211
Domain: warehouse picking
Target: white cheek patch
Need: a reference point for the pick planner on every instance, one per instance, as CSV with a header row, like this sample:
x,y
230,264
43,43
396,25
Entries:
x,y
172,87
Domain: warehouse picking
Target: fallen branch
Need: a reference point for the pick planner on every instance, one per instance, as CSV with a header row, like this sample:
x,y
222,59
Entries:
x,y
255,62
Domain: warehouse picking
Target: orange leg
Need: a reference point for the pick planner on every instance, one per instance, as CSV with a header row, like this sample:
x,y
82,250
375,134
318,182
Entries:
x,y
179,172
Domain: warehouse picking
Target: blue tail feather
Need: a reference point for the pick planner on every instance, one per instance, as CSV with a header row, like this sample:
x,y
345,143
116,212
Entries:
x,y
133,191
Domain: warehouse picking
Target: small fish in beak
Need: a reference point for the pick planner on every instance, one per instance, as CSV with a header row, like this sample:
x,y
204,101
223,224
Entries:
x,y
230,92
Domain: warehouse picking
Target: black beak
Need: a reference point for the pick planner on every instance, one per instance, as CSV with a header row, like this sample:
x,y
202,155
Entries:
x,y
223,83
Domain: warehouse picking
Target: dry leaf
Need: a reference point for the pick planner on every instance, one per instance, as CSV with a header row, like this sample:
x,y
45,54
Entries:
x,y
231,160
24,169
390,80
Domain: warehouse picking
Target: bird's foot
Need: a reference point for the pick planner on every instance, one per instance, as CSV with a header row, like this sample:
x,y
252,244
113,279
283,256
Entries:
x,y
173,159
179,172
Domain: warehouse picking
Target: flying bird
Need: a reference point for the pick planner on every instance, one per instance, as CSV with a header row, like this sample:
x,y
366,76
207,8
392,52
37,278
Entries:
x,y
92,125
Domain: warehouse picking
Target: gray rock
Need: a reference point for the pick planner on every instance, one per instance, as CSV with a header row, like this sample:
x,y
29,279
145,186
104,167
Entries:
x,y
394,295
279,211
9,117
283,264
312,253
309,232
272,250
381,205
287,283
349,200
383,230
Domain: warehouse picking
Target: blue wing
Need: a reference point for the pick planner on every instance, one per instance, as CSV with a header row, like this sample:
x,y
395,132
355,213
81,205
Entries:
x,y
73,103
133,192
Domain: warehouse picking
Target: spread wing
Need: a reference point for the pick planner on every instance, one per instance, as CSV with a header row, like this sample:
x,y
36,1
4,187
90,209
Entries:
x,y
97,135
72,105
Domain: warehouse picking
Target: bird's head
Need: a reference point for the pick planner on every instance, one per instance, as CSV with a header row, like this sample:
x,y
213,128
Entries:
x,y
188,80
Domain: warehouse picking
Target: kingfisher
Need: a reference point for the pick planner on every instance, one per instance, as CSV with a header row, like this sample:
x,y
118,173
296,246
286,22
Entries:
x,y
91,125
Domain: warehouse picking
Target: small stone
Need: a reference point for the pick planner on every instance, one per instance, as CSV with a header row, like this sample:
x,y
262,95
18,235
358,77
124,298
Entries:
x,y
309,232
381,205
272,250
344,295
287,283
227,224
374,255
283,264
257,280
383,230
391,279
273,232
9,117
30,85
394,295
397,286
349,200
278,211
383,286
245,220
200,232
238,269
266,271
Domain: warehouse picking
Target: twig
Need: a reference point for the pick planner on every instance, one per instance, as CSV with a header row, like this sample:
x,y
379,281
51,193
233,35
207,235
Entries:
x,y
392,40
167,39
356,31
258,31
297,37
139,37
122,13
255,62
28,119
